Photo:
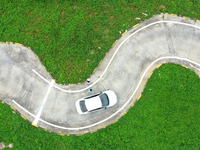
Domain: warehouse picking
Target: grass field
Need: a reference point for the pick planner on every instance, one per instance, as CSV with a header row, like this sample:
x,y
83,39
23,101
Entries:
x,y
71,38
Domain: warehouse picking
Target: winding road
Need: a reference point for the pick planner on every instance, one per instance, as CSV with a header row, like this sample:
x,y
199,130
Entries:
x,y
26,86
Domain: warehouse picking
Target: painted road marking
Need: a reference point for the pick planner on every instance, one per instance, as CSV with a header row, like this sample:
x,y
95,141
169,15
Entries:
x,y
151,24
40,76
162,58
23,108
35,122
85,127
195,67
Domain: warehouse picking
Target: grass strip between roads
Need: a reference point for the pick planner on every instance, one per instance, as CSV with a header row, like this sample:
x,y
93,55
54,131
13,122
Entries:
x,y
71,38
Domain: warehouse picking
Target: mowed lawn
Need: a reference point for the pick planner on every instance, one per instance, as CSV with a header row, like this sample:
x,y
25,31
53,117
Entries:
x,y
71,38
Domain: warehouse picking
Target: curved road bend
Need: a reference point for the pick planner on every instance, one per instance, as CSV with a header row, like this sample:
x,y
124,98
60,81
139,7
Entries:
x,y
26,85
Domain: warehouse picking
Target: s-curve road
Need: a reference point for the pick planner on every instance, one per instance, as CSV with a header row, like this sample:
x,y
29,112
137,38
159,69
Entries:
x,y
26,86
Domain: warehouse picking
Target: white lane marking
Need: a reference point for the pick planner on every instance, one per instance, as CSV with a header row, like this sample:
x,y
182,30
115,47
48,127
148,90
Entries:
x,y
159,59
162,58
151,24
18,105
35,122
195,67
40,76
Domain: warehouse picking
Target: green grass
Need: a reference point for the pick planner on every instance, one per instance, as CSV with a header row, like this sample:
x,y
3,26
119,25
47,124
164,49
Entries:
x,y
165,117
66,36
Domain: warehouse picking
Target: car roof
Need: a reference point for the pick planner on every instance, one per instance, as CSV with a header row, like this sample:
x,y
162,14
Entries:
x,y
93,103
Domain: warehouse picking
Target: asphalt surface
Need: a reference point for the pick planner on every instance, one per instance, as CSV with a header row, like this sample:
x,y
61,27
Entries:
x,y
26,85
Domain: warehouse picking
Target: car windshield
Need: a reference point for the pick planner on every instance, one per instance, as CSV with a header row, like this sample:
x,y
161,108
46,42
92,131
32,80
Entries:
x,y
82,106
104,100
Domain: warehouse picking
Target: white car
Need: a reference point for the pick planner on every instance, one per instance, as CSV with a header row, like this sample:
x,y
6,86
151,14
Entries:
x,y
96,102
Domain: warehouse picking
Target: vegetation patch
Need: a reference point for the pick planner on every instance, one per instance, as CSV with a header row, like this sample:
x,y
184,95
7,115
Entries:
x,y
71,38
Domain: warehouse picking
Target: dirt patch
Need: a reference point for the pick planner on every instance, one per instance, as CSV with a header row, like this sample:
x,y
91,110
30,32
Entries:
x,y
69,62
92,52
106,31
111,19
63,12
96,28
131,8
162,6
